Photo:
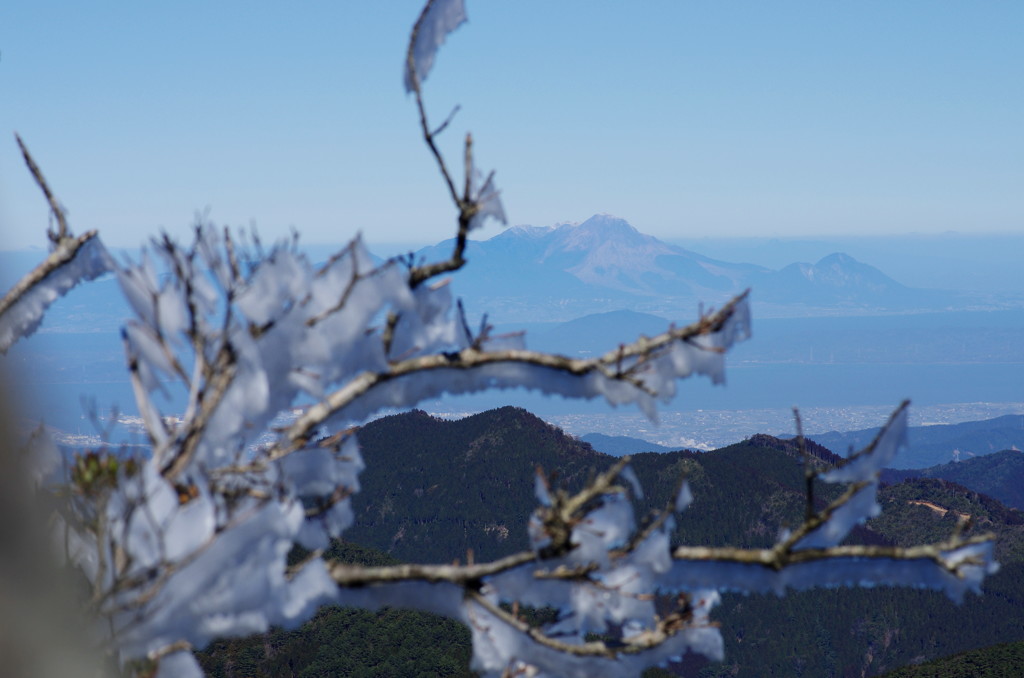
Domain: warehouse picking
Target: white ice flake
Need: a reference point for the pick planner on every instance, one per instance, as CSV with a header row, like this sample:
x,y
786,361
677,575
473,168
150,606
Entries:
x,y
684,498
488,202
865,466
858,509
180,664
440,18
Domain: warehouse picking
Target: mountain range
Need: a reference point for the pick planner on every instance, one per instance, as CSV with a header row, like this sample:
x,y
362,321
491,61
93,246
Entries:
x,y
528,274
556,273
531,273
434,489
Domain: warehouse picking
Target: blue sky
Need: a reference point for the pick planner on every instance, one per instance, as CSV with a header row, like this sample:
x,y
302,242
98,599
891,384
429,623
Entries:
x,y
687,119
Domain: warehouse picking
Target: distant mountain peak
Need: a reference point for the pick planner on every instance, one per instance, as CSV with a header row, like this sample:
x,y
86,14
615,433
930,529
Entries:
x,y
836,278
579,268
609,223
837,259
841,270
599,230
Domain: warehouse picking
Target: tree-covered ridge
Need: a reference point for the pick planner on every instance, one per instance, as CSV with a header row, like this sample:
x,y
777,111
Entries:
x,y
747,491
433,489
478,471
918,507
794,448
744,494
1005,660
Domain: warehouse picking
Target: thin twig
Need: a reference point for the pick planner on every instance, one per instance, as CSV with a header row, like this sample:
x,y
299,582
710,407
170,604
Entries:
x,y
55,206
345,574
779,558
809,472
447,121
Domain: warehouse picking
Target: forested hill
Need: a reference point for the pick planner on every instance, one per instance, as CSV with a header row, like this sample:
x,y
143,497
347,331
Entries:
x,y
999,661
433,489
794,449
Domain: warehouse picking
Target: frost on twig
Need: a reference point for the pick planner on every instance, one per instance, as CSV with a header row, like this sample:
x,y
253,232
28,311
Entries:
x,y
438,19
71,261
640,372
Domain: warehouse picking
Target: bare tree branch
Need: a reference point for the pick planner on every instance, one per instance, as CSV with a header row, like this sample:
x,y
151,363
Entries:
x,y
55,206
779,557
298,434
467,575
809,472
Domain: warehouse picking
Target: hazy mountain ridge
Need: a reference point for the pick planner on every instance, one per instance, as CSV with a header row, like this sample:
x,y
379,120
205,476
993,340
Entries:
x,y
933,445
546,273
839,279
982,262
613,261
999,475
531,274
620,446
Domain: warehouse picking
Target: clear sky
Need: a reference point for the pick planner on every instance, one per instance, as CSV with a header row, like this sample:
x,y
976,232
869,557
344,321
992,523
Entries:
x,y
688,119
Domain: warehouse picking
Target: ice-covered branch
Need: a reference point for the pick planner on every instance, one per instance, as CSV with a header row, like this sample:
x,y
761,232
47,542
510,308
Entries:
x,y
635,372
954,566
72,260
477,201
464,575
